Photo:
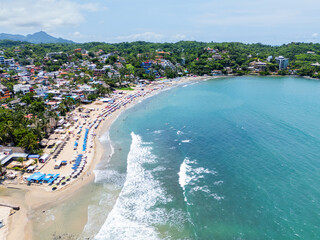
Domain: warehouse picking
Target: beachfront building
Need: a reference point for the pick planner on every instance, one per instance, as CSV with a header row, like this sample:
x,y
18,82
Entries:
x,y
283,62
8,154
216,72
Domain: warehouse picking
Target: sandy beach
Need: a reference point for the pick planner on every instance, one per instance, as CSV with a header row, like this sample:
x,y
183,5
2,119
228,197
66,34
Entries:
x,y
4,217
35,196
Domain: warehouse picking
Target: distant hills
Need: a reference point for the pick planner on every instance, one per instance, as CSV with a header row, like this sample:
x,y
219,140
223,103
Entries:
x,y
38,37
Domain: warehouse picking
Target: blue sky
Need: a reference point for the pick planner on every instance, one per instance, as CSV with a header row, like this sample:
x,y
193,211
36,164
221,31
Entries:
x,y
271,22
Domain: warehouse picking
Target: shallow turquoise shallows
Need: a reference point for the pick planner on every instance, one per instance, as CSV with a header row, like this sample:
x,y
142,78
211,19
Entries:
x,y
233,158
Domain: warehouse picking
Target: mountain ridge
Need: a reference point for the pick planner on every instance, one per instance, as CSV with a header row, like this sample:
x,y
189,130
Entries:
x,y
37,37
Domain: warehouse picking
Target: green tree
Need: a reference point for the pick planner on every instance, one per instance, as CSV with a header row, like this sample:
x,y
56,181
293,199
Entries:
x,y
29,142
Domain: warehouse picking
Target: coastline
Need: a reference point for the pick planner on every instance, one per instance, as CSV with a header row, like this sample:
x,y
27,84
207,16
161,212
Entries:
x,y
32,198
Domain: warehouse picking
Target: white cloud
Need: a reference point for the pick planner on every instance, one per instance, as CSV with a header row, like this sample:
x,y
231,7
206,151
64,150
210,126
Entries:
x,y
147,36
42,14
179,37
315,35
76,35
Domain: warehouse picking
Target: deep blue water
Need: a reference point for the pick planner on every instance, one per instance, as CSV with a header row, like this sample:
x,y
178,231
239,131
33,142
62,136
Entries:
x,y
234,158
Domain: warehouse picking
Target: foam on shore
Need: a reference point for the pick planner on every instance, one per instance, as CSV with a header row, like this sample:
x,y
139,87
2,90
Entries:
x,y
132,216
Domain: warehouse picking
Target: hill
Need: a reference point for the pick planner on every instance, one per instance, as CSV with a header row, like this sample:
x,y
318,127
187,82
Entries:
x,y
38,37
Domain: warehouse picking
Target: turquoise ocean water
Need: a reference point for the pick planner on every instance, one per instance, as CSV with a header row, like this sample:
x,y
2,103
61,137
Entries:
x,y
234,158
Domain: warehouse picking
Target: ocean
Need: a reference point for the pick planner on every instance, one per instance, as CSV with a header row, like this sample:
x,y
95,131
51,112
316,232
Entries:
x,y
230,158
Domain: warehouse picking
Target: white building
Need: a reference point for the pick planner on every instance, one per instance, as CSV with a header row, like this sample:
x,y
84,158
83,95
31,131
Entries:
x,y
92,66
283,62
9,62
24,89
42,91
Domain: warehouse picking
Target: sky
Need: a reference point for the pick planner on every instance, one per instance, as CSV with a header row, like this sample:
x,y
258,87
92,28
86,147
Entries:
x,y
272,22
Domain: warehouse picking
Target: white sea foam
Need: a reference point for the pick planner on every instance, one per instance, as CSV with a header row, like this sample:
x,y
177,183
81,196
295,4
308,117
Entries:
x,y
49,216
183,175
215,196
190,84
179,132
158,131
218,182
184,178
133,215
159,169
201,170
190,175
109,176
201,188
95,217
104,137
186,141
194,83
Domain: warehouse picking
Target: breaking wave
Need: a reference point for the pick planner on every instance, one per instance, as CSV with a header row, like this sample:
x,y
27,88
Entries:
x,y
189,175
134,214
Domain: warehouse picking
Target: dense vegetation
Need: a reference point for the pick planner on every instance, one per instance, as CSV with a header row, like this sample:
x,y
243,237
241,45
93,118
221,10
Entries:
x,y
27,124
192,55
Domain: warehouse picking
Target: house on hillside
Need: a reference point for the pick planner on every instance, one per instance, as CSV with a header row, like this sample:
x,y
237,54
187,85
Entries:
x,y
24,89
4,92
99,72
257,66
217,56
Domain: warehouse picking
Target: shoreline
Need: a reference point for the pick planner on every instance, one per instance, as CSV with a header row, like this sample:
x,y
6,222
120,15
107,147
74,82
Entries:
x,y
33,198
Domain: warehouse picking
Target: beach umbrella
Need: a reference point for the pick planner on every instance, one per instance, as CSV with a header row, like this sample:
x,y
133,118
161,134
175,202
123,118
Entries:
x,y
54,186
63,181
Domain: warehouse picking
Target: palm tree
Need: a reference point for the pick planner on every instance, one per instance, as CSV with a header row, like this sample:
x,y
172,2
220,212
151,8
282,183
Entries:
x,y
62,109
29,142
8,130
